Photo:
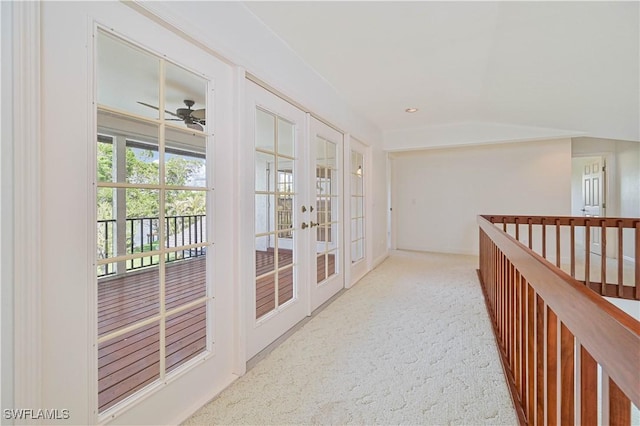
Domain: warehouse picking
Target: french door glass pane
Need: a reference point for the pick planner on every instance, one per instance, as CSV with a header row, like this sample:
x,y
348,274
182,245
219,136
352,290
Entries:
x,y
265,173
265,294
185,159
185,98
186,333
185,218
124,74
127,363
127,299
185,277
265,130
286,138
285,285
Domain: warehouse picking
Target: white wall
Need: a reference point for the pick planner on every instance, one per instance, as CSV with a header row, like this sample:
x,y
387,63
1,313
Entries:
x,y
438,193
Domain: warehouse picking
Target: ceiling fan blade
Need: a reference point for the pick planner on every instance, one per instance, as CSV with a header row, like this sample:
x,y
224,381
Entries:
x,y
195,126
199,114
158,109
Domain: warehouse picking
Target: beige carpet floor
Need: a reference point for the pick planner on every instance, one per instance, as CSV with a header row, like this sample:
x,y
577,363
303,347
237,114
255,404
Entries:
x,y
410,344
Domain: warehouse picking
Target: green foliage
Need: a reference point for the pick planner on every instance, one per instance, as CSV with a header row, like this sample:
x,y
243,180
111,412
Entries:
x,y
142,168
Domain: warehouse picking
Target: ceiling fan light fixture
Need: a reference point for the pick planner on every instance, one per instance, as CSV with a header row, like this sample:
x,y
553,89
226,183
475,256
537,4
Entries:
x,y
411,110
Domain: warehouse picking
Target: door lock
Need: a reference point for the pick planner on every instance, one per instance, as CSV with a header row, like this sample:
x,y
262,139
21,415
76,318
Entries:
x,y
304,209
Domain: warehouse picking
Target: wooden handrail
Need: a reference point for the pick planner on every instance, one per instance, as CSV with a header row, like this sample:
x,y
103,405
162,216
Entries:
x,y
537,310
625,230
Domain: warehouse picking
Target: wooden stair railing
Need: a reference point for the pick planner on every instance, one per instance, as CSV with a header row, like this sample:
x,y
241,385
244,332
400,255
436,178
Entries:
x,y
552,333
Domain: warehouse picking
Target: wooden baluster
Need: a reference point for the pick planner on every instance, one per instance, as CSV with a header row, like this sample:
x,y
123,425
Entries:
x,y
540,372
499,298
619,407
529,221
512,307
517,221
552,367
517,342
573,248
558,243
588,389
531,314
504,224
544,239
523,344
637,261
603,257
587,253
620,259
567,378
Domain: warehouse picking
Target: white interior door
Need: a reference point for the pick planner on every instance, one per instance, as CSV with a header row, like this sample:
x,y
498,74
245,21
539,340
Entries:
x,y
593,196
278,295
326,148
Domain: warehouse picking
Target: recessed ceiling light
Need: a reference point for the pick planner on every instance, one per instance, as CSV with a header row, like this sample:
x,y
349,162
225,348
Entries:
x,y
411,110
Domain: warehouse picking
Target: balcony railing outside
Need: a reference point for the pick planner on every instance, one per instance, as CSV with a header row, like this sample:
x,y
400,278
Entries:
x,y
142,236
554,331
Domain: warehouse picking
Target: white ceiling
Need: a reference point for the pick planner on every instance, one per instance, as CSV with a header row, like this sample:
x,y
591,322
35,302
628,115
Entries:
x,y
559,65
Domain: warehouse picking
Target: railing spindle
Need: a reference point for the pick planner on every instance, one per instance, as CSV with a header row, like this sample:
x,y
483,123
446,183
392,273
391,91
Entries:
x,y
558,243
637,280
567,378
603,258
529,221
552,367
540,371
587,254
544,239
531,312
573,248
619,407
620,259
588,389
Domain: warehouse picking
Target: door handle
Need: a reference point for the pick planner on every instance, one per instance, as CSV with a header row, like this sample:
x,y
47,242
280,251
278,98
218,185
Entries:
x,y
313,224
304,225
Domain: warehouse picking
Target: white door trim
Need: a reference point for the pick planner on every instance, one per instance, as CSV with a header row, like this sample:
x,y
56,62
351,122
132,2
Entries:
x,y
27,141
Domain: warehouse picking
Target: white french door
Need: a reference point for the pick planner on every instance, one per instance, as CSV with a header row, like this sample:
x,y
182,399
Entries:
x,y
297,205
139,321
358,172
326,147
278,295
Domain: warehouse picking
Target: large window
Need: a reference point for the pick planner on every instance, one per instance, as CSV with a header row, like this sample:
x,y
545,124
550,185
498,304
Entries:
x,y
152,201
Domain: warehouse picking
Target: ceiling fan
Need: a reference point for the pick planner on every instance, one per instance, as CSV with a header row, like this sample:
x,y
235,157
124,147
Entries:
x,y
194,119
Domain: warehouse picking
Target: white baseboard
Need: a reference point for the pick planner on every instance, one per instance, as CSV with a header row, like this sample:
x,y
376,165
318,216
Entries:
x,y
379,260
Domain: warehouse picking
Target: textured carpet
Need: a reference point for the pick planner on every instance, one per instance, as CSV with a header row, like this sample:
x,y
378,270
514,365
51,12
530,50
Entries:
x,y
411,343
